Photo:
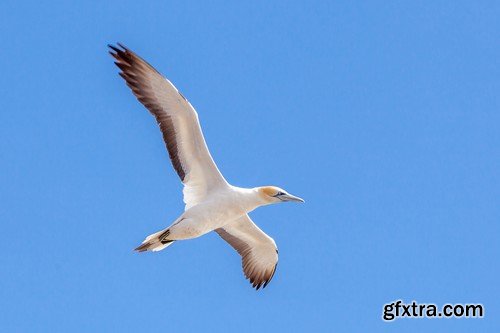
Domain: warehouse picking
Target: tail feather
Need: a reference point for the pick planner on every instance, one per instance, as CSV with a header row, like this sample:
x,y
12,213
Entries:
x,y
155,242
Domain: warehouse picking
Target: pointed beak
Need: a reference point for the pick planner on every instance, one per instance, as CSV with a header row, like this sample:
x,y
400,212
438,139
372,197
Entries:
x,y
289,197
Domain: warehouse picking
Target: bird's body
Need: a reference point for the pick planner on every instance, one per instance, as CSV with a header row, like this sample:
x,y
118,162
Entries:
x,y
212,204
223,206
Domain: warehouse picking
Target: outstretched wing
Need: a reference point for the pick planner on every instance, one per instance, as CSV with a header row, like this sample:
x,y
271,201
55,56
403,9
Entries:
x,y
178,123
258,251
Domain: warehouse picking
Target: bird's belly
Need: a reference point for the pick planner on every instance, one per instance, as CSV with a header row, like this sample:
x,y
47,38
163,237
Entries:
x,y
219,215
204,218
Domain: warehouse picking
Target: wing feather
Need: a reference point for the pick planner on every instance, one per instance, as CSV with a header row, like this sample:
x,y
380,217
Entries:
x,y
258,251
178,122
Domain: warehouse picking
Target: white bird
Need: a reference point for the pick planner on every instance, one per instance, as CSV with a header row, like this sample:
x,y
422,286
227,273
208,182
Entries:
x,y
212,204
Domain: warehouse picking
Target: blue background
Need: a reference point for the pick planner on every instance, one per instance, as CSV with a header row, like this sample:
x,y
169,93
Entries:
x,y
383,115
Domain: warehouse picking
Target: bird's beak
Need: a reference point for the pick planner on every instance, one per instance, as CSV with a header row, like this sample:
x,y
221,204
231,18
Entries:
x,y
289,197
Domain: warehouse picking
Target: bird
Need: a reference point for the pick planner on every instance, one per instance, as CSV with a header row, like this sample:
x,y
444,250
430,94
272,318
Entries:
x,y
211,203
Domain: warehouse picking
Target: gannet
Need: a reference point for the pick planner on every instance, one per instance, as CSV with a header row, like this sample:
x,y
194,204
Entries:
x,y
211,203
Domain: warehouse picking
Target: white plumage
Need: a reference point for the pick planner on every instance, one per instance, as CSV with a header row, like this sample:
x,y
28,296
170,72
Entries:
x,y
212,204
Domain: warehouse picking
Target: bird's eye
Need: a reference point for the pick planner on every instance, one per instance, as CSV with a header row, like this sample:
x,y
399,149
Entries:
x,y
280,193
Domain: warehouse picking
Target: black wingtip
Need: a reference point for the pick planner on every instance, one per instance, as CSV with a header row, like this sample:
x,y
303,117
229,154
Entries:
x,y
118,48
114,48
122,46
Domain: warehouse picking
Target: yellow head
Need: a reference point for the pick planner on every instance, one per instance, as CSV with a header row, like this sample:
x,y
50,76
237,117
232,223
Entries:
x,y
273,194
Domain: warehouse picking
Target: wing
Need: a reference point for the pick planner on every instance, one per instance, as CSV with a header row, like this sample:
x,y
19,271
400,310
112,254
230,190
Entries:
x,y
258,251
178,123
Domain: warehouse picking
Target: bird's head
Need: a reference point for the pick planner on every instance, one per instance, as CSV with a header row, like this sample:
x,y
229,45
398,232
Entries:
x,y
273,194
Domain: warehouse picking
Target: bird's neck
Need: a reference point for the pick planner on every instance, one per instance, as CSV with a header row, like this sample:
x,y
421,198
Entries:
x,y
250,198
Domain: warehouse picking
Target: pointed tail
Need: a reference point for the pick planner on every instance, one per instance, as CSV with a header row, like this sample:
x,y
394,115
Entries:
x,y
155,242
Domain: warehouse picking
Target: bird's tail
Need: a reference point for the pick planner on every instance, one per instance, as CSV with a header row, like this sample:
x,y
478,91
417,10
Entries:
x,y
155,242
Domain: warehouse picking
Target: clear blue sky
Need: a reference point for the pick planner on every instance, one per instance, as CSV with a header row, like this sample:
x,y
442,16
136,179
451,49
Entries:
x,y
384,116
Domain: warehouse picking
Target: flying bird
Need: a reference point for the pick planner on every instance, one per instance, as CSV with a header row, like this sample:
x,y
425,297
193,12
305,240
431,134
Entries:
x,y
212,204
